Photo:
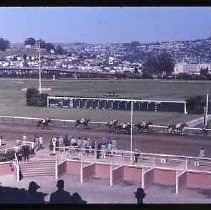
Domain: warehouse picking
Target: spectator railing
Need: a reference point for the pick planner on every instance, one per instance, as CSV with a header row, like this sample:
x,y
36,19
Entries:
x,y
122,157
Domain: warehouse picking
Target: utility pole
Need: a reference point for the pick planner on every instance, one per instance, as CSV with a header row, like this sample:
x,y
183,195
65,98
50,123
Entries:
x,y
40,88
131,132
206,111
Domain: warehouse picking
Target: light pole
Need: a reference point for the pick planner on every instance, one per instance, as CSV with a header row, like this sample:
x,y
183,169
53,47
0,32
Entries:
x,y
131,132
40,89
206,111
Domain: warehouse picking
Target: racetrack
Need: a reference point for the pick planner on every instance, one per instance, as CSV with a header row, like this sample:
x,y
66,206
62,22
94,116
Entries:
x,y
146,142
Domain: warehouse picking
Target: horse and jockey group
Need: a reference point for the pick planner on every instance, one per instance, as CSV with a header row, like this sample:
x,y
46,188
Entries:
x,y
177,128
117,126
44,122
112,125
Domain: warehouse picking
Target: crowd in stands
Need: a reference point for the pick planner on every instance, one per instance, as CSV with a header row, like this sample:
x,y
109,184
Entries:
x,y
104,146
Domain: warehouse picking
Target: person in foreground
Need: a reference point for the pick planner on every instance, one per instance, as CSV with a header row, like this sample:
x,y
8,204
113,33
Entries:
x,y
140,195
33,196
60,196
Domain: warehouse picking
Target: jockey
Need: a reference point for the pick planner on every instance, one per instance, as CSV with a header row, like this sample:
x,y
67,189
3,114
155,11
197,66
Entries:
x,y
82,120
143,123
43,120
178,125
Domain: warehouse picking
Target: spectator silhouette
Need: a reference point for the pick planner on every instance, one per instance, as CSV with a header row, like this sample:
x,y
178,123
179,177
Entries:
x,y
60,196
76,199
33,196
140,195
21,195
9,195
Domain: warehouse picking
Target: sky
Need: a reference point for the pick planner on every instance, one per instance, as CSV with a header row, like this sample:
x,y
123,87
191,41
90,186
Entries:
x,y
105,24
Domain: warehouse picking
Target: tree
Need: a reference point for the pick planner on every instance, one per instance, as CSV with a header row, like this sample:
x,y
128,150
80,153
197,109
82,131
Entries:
x,y
195,104
59,50
204,72
150,65
33,98
32,91
4,44
24,56
165,64
49,46
31,94
134,44
30,41
161,64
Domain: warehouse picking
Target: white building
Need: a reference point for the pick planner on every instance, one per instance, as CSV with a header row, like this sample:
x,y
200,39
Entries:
x,y
28,46
190,68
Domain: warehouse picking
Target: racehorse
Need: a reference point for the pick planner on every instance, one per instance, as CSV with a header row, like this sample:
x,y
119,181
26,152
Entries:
x,y
122,126
143,126
177,128
43,123
112,124
84,121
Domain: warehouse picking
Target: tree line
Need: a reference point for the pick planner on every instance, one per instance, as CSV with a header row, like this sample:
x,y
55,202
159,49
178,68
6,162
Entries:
x,y
58,49
45,45
4,44
158,64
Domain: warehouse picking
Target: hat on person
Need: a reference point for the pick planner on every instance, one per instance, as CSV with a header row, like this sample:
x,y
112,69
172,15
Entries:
x,y
33,186
140,192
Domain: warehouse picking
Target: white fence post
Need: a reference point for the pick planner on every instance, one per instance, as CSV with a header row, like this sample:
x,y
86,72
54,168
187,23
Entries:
x,y
54,149
81,177
111,176
186,164
177,182
56,169
142,179
18,173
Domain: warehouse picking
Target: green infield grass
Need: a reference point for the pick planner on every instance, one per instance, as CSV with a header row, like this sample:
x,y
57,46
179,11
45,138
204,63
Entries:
x,y
13,101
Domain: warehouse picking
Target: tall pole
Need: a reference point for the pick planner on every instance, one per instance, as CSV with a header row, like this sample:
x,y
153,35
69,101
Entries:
x,y
40,89
206,109
131,132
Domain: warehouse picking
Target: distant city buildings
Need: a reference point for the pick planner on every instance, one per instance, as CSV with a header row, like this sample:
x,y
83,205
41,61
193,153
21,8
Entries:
x,y
191,68
189,56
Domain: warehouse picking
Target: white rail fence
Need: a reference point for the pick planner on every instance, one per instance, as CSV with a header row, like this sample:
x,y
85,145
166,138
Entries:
x,y
122,157
62,122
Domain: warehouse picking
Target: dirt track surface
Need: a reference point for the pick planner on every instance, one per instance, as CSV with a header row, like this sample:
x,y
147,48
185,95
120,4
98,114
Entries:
x,y
150,143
